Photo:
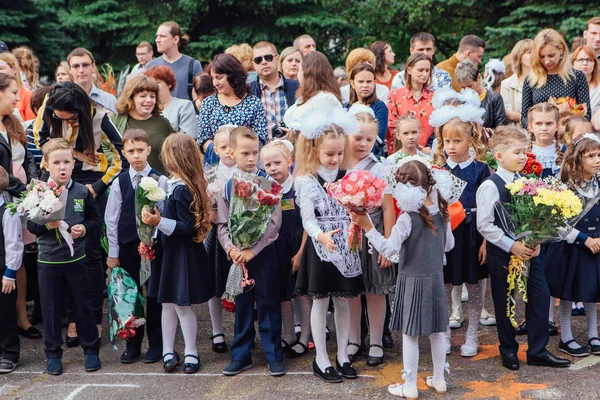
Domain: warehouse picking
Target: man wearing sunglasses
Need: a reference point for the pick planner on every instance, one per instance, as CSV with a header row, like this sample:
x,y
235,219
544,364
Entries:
x,y
275,91
82,67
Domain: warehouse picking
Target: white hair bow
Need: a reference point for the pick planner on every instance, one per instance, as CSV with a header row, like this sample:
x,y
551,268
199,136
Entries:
x,y
314,124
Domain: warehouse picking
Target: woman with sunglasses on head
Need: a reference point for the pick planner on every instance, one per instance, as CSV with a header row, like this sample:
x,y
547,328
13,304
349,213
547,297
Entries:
x,y
69,112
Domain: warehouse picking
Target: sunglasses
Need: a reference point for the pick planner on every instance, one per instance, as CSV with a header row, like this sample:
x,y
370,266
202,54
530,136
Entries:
x,y
268,58
73,118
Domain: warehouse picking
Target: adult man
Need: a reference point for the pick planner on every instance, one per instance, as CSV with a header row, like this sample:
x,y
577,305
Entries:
x,y
470,47
144,54
169,38
276,93
82,67
305,43
591,34
423,42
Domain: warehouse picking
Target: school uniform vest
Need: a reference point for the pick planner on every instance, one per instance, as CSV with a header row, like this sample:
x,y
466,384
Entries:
x,y
127,227
2,248
505,197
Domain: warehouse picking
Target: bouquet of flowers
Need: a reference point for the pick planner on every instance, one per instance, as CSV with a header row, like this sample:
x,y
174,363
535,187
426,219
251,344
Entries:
x,y
147,195
490,160
532,167
253,202
358,192
42,203
574,109
125,306
539,212
217,178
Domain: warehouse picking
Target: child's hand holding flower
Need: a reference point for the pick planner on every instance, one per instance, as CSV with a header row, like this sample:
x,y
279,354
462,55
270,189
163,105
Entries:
x,y
151,218
362,220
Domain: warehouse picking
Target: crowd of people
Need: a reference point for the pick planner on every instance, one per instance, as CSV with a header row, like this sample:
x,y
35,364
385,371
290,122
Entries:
x,y
292,118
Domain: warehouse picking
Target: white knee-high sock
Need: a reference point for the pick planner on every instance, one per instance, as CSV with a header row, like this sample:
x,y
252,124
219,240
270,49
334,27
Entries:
x,y
449,289
355,316
342,327
189,328
169,328
287,321
438,353
591,312
565,322
376,312
318,322
410,359
475,307
551,309
216,318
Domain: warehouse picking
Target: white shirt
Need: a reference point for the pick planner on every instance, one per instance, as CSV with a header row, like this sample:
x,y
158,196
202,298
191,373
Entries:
x,y
113,207
306,190
486,198
13,242
287,184
391,246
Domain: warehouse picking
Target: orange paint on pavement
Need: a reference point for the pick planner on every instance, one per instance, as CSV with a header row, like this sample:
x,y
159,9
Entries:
x,y
392,373
505,388
492,350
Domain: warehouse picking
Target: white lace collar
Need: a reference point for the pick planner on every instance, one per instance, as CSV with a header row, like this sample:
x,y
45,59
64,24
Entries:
x,y
328,174
172,184
462,165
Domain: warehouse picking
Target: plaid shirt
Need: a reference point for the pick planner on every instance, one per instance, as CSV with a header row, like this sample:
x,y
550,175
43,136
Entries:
x,y
274,103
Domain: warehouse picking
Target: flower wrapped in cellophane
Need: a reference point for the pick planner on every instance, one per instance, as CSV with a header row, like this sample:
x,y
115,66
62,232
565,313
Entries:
x,y
41,203
217,178
253,202
359,192
147,195
540,211
125,306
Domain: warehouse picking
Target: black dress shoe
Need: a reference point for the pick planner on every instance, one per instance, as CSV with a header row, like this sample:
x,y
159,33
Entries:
x,y
594,348
218,347
521,329
153,354
289,351
373,361
352,357
191,368
30,333
130,355
330,375
72,341
172,363
346,370
388,342
510,361
549,360
552,329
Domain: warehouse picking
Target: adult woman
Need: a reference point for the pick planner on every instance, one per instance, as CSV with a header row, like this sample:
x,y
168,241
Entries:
x,y
30,66
10,66
179,112
552,75
467,75
357,56
511,88
318,89
584,59
203,87
138,108
20,166
289,62
384,58
233,103
62,73
362,84
414,98
243,52
69,112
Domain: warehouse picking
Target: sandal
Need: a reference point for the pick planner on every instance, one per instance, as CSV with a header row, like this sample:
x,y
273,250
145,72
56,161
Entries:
x,y
289,352
172,363
219,347
191,368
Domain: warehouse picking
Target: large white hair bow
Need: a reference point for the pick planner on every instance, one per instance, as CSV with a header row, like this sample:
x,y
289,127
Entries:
x,y
314,124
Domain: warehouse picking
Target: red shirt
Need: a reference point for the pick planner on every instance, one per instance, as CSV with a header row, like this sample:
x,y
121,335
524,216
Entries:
x,y
402,102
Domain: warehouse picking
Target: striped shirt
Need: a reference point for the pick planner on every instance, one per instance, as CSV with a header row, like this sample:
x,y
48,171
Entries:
x,y
274,103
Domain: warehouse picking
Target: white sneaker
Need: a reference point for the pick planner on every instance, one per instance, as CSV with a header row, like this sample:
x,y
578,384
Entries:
x,y
469,349
457,318
465,294
448,344
439,386
398,389
486,318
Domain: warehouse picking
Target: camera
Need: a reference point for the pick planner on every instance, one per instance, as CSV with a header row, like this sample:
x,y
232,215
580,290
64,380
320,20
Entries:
x,y
277,132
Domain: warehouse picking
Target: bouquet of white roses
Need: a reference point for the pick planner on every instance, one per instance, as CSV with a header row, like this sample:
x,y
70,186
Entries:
x,y
147,195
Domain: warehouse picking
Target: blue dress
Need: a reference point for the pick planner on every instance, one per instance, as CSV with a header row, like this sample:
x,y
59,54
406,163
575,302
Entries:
x,y
462,261
181,272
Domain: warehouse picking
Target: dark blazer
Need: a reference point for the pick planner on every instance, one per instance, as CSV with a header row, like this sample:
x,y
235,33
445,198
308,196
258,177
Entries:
x,y
495,114
289,87
15,186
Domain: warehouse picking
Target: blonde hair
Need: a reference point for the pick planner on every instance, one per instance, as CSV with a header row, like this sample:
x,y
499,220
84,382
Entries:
x,y
404,118
277,145
357,56
307,155
538,75
14,64
520,48
55,144
241,132
543,107
504,137
224,130
457,127
363,118
138,84
243,52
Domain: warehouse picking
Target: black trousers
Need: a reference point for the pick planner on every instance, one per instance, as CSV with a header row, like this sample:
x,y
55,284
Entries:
x,y
10,346
53,280
130,260
536,310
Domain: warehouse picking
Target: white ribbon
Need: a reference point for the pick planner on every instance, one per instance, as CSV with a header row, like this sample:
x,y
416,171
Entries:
x,y
62,228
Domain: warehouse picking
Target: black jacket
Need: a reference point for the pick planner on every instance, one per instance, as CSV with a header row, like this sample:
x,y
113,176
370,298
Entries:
x,y
15,186
289,87
495,115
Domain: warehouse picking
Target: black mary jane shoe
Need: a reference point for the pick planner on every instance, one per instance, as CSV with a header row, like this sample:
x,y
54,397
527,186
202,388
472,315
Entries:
x,y
72,341
346,370
191,368
219,347
289,351
552,328
354,356
388,342
330,375
594,348
172,363
580,351
30,333
373,361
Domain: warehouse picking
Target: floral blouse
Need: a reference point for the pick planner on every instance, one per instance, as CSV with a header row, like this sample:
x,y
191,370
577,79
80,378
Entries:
x,y
249,112
402,102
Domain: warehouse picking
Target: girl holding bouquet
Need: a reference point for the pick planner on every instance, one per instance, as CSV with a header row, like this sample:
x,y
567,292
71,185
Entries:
x,y
572,264
328,268
458,131
182,276
421,309
379,277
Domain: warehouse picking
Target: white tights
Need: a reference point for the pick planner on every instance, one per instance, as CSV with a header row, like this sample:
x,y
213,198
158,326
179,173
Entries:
x,y
216,318
566,333
410,357
189,327
318,321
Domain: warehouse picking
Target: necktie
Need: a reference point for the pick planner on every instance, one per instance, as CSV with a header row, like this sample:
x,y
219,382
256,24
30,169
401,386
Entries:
x,y
137,180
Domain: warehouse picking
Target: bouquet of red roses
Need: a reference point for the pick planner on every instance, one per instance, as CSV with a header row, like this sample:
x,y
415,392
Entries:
x,y
532,167
358,192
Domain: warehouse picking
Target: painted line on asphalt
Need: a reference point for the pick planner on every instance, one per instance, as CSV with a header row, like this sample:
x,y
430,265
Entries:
x,y
585,363
81,388
93,374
